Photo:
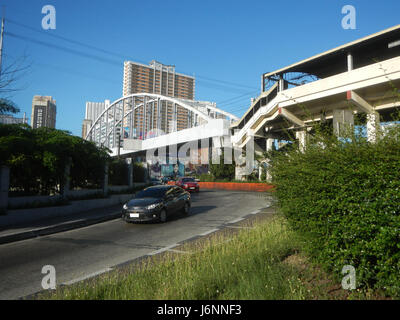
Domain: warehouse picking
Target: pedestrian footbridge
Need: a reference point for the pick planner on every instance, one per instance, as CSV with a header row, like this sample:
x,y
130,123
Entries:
x,y
361,77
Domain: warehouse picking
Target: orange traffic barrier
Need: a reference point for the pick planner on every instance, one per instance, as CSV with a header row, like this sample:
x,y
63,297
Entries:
x,y
255,187
238,186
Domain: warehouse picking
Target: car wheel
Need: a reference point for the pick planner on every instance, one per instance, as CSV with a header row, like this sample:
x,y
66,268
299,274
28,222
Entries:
x,y
186,208
163,215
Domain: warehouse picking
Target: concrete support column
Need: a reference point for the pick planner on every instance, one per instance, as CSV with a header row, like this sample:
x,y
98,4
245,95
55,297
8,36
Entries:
x,y
269,147
216,150
343,121
349,61
239,173
373,125
4,186
129,162
65,185
269,144
281,85
302,137
105,180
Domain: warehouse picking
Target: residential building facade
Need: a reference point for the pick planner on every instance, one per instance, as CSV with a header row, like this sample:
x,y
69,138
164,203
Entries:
x,y
159,79
9,119
92,112
44,112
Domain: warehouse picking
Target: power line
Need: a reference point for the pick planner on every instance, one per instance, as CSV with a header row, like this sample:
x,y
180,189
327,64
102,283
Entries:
x,y
72,41
216,86
77,73
114,53
236,103
226,82
105,60
236,98
73,51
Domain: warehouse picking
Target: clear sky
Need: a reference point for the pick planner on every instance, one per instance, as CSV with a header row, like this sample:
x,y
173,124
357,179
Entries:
x,y
232,42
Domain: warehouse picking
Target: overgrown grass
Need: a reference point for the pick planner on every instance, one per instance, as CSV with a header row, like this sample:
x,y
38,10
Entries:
x,y
249,264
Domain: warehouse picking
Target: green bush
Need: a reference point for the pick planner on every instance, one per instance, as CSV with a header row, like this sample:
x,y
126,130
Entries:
x,y
343,195
118,172
223,171
206,177
139,172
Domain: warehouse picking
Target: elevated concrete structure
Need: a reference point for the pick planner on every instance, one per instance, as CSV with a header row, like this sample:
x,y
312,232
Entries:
x,y
332,87
360,77
116,127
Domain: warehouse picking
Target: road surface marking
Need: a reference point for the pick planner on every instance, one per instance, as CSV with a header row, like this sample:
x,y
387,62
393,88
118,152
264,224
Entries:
x,y
236,220
163,249
68,283
208,232
239,227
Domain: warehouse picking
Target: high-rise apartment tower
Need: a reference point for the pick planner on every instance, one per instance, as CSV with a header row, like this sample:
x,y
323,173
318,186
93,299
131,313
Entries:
x,y
44,112
160,79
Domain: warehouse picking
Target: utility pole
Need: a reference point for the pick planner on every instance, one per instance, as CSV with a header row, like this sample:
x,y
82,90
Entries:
x,y
1,41
119,145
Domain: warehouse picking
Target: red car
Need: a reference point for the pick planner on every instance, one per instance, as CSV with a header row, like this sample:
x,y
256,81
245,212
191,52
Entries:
x,y
188,184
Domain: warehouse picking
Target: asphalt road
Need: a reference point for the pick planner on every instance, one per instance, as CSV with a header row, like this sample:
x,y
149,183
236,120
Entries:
x,y
84,252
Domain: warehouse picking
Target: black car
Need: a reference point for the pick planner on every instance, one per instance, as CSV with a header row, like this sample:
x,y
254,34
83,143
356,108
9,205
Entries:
x,y
156,203
156,181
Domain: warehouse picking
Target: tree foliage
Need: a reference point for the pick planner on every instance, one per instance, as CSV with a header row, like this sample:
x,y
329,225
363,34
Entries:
x,y
344,196
7,106
37,159
223,171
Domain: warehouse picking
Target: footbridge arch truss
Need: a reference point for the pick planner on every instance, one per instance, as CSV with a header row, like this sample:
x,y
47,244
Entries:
x,y
146,115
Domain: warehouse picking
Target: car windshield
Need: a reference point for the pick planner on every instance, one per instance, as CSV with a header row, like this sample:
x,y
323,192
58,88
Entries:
x,y
152,193
188,180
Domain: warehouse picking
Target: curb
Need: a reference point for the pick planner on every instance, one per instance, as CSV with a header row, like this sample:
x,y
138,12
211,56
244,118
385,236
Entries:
x,y
56,228
137,260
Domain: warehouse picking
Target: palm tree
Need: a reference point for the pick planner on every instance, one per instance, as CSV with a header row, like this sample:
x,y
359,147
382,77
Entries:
x,y
7,106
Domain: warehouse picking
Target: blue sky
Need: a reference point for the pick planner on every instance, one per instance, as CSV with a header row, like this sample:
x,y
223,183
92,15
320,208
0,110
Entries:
x,y
229,41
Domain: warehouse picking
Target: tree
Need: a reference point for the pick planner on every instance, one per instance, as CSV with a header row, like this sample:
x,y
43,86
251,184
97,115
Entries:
x,y
38,157
222,170
9,75
7,106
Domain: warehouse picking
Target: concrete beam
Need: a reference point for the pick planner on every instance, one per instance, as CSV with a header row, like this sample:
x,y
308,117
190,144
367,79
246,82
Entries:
x,y
291,117
359,102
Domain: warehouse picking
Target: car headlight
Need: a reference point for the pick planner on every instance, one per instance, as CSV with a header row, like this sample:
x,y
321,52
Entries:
x,y
153,206
125,206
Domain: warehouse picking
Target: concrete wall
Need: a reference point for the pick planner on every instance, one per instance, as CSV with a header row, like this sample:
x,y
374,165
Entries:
x,y
31,215
19,202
